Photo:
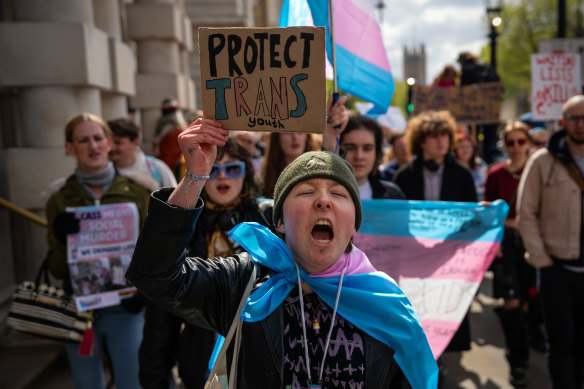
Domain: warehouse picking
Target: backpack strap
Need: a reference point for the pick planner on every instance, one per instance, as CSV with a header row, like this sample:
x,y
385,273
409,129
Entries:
x,y
574,173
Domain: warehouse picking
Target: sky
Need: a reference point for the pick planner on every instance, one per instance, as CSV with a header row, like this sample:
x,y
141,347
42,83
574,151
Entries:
x,y
445,27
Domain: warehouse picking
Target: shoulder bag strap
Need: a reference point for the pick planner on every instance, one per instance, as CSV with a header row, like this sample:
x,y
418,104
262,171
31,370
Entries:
x,y
574,173
235,328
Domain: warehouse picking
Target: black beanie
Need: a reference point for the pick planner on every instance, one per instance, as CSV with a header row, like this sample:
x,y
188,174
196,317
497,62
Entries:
x,y
316,164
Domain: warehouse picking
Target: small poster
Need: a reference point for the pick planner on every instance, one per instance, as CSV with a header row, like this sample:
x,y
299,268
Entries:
x,y
100,253
264,79
555,77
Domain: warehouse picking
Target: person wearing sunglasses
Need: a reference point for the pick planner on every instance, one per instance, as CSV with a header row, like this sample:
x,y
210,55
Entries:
x,y
230,198
514,278
550,221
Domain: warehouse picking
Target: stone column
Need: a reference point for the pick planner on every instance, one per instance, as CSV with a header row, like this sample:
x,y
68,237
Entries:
x,y
160,52
61,58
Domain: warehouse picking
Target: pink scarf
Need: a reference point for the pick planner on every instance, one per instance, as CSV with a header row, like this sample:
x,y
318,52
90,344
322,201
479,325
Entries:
x,y
356,262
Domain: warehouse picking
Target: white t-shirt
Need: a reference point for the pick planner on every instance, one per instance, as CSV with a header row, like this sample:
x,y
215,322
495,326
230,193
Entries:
x,y
365,191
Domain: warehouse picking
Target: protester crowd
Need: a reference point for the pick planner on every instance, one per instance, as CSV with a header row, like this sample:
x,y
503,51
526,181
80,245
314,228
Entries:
x,y
538,272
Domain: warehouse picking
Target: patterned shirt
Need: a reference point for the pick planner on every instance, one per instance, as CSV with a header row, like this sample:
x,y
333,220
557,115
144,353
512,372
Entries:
x,y
344,366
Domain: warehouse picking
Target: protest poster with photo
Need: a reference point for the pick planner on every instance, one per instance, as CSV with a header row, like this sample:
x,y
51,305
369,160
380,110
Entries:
x,y
100,253
264,79
555,77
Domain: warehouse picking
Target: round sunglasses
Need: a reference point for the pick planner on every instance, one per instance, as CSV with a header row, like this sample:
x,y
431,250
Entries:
x,y
511,142
231,169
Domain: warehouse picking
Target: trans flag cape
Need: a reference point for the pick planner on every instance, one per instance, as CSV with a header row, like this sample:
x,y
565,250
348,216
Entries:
x,y
370,300
362,65
437,251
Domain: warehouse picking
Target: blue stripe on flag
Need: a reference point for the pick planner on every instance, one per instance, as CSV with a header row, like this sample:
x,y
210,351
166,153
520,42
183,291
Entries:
x,y
440,220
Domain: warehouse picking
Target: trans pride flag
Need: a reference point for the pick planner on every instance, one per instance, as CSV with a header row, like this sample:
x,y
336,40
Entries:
x,y
362,65
436,251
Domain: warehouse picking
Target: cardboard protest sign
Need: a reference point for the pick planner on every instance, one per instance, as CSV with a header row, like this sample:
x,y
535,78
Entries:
x,y
477,103
437,252
264,79
555,77
100,253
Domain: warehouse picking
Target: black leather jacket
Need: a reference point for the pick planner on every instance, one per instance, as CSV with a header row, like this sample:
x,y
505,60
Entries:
x,y
207,293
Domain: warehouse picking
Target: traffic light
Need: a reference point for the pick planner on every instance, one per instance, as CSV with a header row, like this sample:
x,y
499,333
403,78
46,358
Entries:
x,y
410,104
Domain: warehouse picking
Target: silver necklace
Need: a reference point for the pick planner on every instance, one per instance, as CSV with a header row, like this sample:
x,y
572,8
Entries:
x,y
328,337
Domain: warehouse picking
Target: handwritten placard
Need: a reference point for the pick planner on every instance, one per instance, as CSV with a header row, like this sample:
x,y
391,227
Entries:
x,y
555,77
264,79
478,103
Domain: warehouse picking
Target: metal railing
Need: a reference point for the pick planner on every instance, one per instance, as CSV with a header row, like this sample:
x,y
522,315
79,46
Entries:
x,y
23,212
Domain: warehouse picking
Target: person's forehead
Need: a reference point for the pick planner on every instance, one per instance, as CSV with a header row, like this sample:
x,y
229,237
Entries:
x,y
315,181
87,128
574,105
359,136
226,158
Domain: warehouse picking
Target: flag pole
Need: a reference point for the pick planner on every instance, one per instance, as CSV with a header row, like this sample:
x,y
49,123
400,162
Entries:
x,y
334,64
334,57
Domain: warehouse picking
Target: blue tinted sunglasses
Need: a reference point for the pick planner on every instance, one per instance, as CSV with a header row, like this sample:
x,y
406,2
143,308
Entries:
x,y
231,170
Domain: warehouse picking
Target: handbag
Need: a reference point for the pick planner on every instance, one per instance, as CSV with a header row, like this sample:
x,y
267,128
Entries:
x,y
42,309
213,381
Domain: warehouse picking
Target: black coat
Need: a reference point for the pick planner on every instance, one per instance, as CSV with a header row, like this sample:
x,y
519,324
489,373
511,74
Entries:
x,y
457,181
207,293
385,190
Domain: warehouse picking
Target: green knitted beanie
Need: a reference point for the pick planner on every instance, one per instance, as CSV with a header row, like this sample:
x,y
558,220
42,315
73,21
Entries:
x,y
316,164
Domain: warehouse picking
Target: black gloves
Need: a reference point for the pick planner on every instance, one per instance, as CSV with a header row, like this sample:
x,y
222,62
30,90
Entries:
x,y
65,223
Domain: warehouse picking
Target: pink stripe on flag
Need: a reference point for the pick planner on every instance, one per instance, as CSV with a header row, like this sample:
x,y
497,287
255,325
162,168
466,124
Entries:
x,y
439,333
428,258
358,32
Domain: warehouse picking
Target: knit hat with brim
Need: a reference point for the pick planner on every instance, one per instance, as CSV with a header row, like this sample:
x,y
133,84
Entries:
x,y
316,164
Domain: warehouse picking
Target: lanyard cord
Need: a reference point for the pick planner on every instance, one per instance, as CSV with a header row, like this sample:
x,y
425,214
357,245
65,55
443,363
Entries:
x,y
328,337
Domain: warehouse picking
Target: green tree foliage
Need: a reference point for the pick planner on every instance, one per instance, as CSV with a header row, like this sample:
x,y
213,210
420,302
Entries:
x,y
525,23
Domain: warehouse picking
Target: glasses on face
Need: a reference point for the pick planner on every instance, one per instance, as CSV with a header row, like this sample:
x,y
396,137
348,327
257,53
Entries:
x,y
575,119
538,144
231,169
511,142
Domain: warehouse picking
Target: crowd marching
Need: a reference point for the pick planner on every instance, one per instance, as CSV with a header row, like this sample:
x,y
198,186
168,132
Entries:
x,y
205,181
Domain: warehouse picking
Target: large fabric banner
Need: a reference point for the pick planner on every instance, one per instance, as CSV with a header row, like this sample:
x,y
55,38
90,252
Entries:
x,y
437,252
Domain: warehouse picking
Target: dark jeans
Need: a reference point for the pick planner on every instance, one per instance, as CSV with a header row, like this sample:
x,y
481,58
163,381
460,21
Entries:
x,y
513,279
167,342
562,294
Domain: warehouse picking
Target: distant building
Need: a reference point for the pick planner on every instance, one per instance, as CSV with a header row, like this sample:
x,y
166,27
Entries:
x,y
415,64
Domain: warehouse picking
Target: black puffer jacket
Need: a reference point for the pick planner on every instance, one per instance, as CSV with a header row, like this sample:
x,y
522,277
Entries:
x,y
207,293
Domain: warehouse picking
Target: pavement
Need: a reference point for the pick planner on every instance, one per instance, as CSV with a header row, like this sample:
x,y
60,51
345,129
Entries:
x,y
28,362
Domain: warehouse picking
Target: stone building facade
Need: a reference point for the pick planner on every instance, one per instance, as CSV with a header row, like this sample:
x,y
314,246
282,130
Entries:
x,y
59,58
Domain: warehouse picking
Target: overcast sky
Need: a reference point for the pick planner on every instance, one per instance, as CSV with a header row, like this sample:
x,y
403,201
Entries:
x,y
446,27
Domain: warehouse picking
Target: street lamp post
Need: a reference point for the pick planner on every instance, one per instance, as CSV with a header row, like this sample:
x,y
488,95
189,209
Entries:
x,y
493,35
494,8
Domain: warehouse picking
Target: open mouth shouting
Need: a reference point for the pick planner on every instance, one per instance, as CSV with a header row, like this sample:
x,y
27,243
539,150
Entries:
x,y
223,188
322,232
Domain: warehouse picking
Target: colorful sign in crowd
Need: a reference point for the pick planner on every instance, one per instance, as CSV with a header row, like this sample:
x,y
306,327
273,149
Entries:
x,y
100,253
264,79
